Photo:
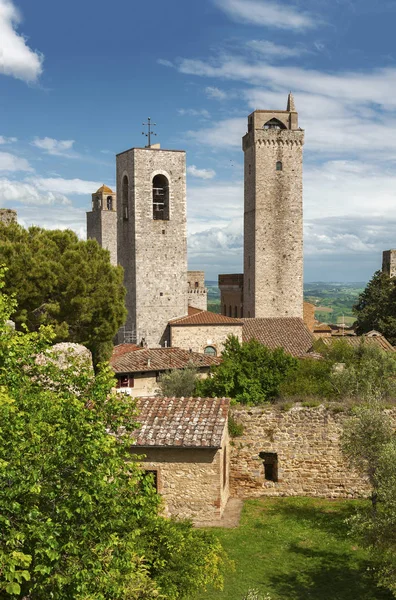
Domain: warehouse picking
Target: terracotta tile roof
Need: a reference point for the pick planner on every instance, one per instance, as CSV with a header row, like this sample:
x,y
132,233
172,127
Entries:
x,y
182,422
194,311
205,317
159,359
289,333
377,340
123,349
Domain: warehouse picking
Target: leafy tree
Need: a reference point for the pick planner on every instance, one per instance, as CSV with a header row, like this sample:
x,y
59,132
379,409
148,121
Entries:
x,y
249,372
178,383
59,280
376,307
369,444
78,517
311,378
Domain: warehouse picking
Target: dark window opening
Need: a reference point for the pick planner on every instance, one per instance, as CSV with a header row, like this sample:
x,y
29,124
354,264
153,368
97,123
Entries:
x,y
250,169
97,203
235,312
225,310
160,198
241,312
163,232
279,166
196,284
274,124
161,293
125,198
211,350
230,311
124,381
270,461
154,475
109,203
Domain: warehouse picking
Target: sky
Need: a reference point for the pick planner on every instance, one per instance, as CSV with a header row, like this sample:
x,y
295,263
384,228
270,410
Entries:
x,y
78,79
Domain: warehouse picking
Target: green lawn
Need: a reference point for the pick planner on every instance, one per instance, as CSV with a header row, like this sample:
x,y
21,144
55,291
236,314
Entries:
x,y
296,549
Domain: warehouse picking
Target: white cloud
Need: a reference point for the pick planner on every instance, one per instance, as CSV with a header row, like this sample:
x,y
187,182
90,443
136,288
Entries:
x,y
165,63
201,173
16,58
222,134
213,205
7,140
215,93
193,112
65,186
10,162
28,194
275,50
270,14
54,147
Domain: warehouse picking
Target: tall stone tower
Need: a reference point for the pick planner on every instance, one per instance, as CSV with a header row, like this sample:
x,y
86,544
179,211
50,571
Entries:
x,y
102,221
273,214
389,263
152,240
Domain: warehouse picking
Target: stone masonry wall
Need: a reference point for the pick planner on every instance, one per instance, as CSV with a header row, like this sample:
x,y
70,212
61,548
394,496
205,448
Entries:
x,y
102,227
306,441
389,262
197,337
7,216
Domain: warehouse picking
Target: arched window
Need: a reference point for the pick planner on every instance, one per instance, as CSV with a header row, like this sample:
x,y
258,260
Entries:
x,y
279,166
211,350
109,203
230,311
125,198
160,198
274,124
97,203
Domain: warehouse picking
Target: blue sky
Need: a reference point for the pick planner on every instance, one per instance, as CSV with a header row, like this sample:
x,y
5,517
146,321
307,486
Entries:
x,y
77,80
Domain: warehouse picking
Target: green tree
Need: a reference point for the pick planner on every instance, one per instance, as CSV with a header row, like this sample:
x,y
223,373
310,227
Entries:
x,y
60,280
376,307
78,517
249,372
369,443
178,383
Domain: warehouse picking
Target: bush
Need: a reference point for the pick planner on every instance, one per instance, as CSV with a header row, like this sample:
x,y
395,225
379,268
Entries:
x,y
178,383
235,429
310,379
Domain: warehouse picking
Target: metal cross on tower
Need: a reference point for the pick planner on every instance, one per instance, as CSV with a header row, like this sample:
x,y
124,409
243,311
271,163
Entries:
x,y
149,133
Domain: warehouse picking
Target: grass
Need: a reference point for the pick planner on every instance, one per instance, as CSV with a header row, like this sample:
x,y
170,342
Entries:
x,y
296,549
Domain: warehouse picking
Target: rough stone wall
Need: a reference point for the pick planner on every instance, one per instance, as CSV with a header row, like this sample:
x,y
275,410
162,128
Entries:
x,y
197,292
152,252
189,480
389,263
306,441
7,216
102,227
309,315
273,226
231,295
197,337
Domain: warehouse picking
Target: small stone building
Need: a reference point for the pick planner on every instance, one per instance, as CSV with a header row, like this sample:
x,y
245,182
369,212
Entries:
x,y
138,369
185,443
204,331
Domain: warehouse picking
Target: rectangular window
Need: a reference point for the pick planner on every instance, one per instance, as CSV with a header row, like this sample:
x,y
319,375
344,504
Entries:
x,y
270,461
124,381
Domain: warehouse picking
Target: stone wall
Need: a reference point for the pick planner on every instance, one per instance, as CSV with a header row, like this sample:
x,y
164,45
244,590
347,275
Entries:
x,y
102,227
7,216
146,383
389,262
198,337
190,480
306,441
309,315
231,295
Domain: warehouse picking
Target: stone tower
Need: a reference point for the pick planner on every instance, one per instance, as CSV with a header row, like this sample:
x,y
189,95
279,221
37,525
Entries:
x,y
7,216
197,292
273,214
102,221
152,241
389,263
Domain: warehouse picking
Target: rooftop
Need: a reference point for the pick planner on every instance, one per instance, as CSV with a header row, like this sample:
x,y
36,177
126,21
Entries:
x,y
205,317
158,359
371,338
182,422
104,190
289,333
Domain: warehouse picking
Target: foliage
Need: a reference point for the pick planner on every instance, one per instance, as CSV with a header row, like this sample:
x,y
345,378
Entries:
x,y
249,373
370,445
255,595
78,517
235,429
59,280
310,378
297,549
376,307
178,383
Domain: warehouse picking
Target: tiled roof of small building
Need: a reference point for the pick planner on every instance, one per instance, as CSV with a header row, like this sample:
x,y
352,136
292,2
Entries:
x,y
289,333
378,340
182,422
159,359
205,317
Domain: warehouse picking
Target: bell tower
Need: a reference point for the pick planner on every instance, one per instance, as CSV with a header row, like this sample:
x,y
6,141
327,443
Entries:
x,y
273,214
152,241
102,221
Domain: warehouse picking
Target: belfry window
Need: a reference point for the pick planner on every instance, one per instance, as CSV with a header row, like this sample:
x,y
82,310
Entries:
x,y
274,124
279,166
109,203
160,198
125,198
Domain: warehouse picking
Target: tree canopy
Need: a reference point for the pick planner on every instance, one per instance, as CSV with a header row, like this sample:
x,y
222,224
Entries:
x,y
376,307
78,516
60,280
249,373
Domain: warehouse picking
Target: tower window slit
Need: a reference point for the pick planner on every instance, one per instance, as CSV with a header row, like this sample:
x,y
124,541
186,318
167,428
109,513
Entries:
x,y
279,166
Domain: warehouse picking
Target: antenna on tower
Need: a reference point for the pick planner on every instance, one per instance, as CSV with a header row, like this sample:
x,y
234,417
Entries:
x,y
149,133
